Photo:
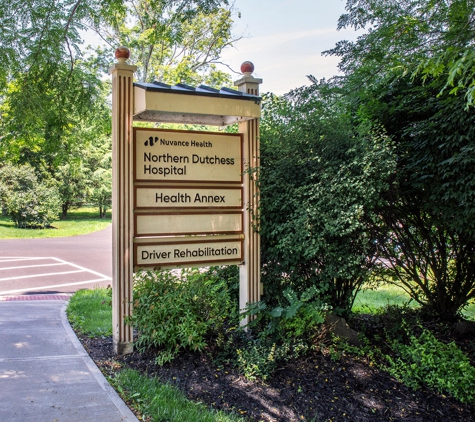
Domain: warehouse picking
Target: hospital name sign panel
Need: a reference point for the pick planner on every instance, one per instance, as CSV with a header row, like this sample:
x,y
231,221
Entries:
x,y
180,156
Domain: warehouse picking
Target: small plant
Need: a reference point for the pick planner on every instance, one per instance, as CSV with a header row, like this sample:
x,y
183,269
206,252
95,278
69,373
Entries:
x,y
257,360
428,361
297,318
175,312
284,332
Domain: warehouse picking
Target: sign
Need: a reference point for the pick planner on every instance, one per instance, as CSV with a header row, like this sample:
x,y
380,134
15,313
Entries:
x,y
165,197
179,190
186,156
188,223
207,252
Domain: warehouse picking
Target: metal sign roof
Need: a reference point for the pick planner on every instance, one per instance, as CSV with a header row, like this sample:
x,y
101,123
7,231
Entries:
x,y
202,90
199,105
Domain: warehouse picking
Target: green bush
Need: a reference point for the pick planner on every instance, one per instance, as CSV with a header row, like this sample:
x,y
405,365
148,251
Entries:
x,y
174,312
319,183
29,202
427,361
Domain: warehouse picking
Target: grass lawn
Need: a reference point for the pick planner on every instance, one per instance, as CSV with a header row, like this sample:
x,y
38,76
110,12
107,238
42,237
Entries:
x,y
90,312
79,221
369,301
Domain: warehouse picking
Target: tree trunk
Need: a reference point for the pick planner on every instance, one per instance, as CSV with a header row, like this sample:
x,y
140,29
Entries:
x,y
65,208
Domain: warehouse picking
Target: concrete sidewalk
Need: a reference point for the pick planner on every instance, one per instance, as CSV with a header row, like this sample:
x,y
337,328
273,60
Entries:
x,y
45,373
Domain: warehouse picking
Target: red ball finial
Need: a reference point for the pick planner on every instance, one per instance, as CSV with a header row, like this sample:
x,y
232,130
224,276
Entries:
x,y
247,68
122,53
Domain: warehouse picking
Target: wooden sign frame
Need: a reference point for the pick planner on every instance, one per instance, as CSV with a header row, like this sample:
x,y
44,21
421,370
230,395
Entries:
x,y
158,102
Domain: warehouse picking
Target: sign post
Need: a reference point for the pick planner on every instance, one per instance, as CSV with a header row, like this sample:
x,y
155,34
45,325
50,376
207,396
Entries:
x,y
122,201
250,287
182,198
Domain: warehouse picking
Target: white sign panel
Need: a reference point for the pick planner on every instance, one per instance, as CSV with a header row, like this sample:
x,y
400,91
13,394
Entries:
x,y
188,253
187,223
173,156
163,197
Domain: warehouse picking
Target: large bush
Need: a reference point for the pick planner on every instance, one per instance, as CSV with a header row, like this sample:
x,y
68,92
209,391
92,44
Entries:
x,y
319,183
427,226
29,202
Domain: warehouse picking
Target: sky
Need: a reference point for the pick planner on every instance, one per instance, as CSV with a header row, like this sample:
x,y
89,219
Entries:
x,y
285,38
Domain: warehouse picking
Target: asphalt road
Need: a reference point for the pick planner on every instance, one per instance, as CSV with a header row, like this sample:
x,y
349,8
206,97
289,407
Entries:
x,y
56,265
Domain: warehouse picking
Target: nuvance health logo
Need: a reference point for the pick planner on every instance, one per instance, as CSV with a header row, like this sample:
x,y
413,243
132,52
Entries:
x,y
151,141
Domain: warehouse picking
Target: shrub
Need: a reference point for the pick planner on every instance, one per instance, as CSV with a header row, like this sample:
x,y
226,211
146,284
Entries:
x,y
174,312
319,183
29,202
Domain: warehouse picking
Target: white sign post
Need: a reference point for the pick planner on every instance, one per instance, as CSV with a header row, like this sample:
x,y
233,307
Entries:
x,y
182,198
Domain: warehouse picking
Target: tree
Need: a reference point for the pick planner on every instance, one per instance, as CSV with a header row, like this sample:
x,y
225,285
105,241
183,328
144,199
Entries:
x,y
173,40
72,178
45,75
99,162
431,39
397,76
51,93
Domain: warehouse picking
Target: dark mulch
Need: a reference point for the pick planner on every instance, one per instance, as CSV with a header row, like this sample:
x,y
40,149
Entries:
x,y
312,388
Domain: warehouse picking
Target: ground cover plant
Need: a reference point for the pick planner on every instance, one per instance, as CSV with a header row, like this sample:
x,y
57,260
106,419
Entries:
x,y
331,381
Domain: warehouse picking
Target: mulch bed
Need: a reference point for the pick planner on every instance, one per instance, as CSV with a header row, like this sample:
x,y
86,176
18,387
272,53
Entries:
x,y
314,388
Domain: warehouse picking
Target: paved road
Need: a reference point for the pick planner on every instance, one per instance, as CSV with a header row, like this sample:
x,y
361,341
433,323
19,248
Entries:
x,y
55,265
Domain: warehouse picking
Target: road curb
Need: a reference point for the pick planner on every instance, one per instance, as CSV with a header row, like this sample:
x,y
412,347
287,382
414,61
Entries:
x,y
104,384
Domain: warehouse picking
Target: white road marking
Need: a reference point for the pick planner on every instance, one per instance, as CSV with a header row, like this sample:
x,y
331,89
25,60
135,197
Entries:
x,y
51,287
59,262
40,275
31,266
19,258
84,269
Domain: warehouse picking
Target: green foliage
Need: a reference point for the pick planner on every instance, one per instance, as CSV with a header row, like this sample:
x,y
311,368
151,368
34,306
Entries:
x,y
420,38
281,333
411,75
257,361
72,180
228,274
427,361
90,312
175,312
29,202
99,163
319,185
426,231
298,318
173,41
